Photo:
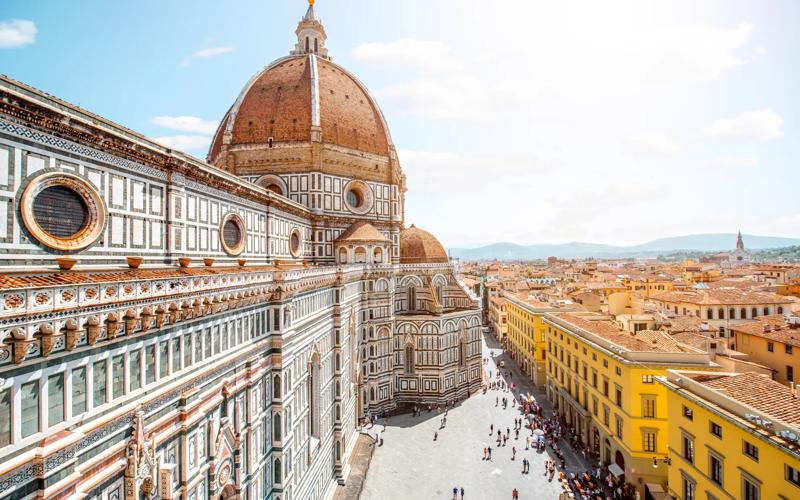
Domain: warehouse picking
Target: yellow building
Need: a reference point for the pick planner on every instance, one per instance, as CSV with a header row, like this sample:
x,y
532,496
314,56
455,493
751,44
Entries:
x,y
498,318
602,381
732,436
772,341
526,334
648,285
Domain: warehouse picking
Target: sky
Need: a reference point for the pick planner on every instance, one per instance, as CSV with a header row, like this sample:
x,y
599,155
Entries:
x,y
515,120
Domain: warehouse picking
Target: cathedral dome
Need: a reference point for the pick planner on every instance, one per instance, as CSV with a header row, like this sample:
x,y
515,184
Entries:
x,y
418,246
296,96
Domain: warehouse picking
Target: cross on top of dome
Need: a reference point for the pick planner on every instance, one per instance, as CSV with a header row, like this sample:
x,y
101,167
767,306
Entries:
x,y
310,35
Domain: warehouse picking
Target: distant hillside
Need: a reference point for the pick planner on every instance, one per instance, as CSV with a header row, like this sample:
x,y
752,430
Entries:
x,y
579,250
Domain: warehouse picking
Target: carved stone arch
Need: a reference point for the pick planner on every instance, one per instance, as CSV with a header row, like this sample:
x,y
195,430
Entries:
x,y
410,280
382,285
273,183
474,322
450,326
439,280
429,328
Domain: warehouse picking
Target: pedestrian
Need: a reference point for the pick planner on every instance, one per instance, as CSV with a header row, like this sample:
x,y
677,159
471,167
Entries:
x,y
435,435
491,429
455,493
462,493
515,494
484,453
513,452
490,453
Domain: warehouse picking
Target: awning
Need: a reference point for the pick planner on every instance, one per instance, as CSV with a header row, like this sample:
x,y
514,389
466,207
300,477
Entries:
x,y
616,470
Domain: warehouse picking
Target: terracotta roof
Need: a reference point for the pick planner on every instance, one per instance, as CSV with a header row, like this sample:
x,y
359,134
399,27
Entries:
x,y
721,297
362,231
278,104
418,246
773,327
642,341
757,391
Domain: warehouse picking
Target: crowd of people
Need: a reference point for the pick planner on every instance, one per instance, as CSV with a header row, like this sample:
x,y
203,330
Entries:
x,y
543,432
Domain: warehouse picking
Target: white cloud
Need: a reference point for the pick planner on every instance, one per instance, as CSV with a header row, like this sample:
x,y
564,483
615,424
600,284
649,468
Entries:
x,y
453,97
186,124
651,143
437,171
206,53
428,56
16,33
185,142
761,125
733,161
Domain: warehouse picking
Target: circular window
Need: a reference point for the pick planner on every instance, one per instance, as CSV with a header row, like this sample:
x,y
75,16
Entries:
x,y
232,234
295,243
62,211
358,197
354,198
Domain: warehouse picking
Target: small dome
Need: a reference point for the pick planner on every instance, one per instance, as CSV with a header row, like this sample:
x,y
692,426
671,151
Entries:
x,y
362,231
418,246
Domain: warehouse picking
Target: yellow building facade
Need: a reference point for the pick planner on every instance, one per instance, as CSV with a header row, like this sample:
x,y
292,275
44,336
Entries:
x,y
732,436
603,382
526,336
773,342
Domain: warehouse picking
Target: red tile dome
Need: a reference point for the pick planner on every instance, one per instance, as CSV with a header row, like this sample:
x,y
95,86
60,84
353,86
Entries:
x,y
418,246
293,96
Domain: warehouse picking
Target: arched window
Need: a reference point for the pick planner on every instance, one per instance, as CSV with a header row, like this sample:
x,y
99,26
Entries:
x,y
277,471
313,396
276,386
377,255
462,353
731,313
372,394
360,255
720,313
276,427
743,313
412,298
342,255
766,311
780,309
409,359
316,45
754,311
307,47
710,313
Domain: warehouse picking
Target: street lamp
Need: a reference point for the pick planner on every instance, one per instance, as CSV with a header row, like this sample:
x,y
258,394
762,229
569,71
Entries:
x,y
666,460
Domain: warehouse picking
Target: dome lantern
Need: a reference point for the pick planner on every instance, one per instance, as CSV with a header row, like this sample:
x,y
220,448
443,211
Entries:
x,y
310,35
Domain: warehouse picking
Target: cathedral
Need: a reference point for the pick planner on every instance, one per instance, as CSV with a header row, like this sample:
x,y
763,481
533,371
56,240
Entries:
x,y
180,329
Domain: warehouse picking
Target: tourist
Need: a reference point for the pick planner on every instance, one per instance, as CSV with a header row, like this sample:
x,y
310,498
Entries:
x,y
515,494
513,452
491,429
490,453
455,492
435,435
462,493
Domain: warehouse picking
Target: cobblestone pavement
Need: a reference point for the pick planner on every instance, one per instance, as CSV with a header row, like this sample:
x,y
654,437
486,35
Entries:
x,y
411,465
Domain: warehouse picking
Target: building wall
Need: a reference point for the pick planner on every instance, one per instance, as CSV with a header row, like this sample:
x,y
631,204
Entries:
x,y
778,358
583,380
768,471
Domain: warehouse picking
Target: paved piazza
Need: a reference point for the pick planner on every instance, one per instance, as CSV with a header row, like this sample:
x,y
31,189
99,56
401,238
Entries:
x,y
411,465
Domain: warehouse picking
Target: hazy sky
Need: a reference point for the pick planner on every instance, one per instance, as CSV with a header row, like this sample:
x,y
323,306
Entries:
x,y
524,121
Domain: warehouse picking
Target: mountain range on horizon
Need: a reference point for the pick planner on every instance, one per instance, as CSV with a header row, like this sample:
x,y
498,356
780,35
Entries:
x,y
580,250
